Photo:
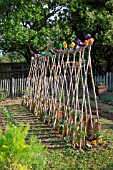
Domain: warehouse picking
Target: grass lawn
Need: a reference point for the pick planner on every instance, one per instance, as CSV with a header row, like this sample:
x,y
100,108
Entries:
x,y
69,159
92,159
99,159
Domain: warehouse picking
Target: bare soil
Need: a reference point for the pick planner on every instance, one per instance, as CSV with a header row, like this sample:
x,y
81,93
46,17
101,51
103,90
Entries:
x,y
11,102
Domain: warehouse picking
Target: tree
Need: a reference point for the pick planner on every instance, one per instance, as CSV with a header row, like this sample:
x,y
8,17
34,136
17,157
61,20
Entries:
x,y
25,25
12,57
96,18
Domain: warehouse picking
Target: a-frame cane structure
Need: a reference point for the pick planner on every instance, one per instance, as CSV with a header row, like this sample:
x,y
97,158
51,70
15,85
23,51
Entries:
x,y
58,92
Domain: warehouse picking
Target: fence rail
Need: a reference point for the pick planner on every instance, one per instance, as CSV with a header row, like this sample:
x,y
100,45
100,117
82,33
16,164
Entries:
x,y
107,79
13,87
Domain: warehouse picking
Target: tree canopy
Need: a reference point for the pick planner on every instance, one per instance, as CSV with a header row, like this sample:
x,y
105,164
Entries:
x,y
96,18
26,26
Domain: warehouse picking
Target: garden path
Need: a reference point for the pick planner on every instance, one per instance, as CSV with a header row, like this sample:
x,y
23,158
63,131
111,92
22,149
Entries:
x,y
49,137
45,133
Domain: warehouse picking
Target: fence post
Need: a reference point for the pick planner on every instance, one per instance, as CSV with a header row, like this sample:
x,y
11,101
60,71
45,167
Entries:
x,y
12,88
110,83
95,79
106,78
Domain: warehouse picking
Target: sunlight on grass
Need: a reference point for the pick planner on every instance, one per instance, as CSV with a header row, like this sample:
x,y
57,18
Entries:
x,y
85,160
70,159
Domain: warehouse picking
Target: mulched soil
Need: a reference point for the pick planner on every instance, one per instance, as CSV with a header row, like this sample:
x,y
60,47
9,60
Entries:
x,y
11,102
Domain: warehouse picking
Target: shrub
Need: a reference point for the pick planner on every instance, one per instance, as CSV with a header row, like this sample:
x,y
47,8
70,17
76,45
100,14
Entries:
x,y
2,95
100,84
16,154
6,113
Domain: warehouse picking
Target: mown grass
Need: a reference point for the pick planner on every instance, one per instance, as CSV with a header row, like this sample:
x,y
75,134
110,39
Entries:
x,y
70,159
102,106
108,97
103,99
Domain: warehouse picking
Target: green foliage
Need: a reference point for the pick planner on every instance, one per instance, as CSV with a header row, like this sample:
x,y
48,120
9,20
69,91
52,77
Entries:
x,y
95,18
38,111
26,25
12,57
107,98
6,113
28,90
31,26
100,84
2,95
43,115
16,154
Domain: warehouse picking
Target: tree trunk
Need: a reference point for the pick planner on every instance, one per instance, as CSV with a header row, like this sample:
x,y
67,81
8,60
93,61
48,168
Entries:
x,y
28,55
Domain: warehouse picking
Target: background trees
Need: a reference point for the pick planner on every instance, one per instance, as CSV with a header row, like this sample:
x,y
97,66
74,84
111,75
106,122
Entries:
x,y
95,17
26,26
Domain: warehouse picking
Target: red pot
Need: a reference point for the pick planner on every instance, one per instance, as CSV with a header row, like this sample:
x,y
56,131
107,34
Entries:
x,y
101,90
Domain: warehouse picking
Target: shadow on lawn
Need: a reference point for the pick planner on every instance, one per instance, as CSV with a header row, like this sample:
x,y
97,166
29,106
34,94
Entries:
x,y
108,126
104,114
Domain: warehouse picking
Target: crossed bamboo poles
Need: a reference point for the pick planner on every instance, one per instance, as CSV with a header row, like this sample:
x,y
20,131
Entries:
x,y
53,90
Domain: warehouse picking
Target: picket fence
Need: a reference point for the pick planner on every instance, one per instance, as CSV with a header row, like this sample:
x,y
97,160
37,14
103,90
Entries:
x,y
107,79
13,87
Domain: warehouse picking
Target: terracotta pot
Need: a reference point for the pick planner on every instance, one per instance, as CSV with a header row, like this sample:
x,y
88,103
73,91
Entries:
x,y
58,115
101,90
89,126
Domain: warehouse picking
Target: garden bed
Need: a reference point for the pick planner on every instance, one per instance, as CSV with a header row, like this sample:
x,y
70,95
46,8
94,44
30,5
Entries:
x,y
99,157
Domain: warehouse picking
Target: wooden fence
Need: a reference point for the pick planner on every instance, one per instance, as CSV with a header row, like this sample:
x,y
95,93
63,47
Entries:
x,y
13,87
107,79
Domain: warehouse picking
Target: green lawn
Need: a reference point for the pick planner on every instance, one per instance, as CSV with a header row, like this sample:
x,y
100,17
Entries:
x,y
70,159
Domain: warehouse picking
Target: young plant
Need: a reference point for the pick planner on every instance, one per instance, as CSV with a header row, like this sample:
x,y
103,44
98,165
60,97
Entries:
x,y
2,95
16,154
100,84
6,114
43,115
38,111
